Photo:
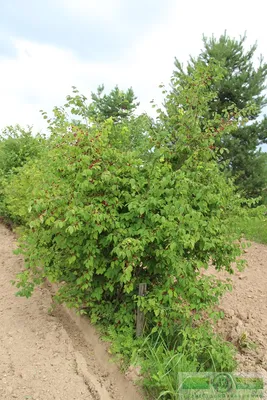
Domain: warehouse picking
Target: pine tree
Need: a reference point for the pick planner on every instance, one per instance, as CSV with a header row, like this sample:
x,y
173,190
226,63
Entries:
x,y
117,104
243,85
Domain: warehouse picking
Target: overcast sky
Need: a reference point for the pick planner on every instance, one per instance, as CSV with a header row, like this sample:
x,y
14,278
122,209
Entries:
x,y
46,46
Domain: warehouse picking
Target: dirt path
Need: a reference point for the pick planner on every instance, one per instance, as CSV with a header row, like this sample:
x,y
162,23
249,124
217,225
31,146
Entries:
x,y
245,308
46,357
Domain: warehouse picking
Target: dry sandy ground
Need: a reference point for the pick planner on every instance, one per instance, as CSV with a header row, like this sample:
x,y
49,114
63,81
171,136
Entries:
x,y
44,357
245,308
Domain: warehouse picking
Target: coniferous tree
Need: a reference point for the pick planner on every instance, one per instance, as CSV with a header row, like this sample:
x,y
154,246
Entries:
x,y
243,85
117,104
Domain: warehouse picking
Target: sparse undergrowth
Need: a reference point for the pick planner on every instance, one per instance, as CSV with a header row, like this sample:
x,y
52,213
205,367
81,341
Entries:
x,y
158,360
254,227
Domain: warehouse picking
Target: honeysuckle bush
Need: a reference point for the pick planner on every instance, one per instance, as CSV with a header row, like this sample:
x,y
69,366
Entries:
x,y
105,212
18,146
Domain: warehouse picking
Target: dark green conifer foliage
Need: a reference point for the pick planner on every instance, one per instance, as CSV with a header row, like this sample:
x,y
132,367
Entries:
x,y
244,84
117,104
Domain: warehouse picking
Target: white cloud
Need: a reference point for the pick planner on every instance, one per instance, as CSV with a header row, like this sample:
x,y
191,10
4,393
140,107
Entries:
x,y
41,76
104,10
152,59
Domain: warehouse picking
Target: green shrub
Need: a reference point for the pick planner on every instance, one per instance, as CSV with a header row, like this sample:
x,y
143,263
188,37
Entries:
x,y
102,222
104,217
17,147
18,191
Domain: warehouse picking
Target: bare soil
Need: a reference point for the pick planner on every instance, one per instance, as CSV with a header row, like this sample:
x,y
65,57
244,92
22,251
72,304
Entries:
x,y
245,309
50,357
